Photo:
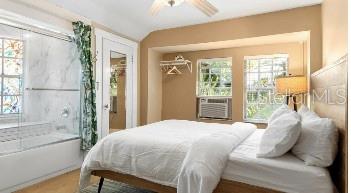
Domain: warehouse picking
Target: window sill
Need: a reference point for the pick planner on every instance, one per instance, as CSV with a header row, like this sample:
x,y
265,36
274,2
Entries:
x,y
256,121
229,97
212,119
9,118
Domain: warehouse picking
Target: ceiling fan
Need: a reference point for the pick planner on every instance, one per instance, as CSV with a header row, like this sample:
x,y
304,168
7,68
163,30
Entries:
x,y
203,5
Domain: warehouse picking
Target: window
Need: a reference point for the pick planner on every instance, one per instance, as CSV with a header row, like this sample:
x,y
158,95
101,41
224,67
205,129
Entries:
x,y
214,77
11,67
260,73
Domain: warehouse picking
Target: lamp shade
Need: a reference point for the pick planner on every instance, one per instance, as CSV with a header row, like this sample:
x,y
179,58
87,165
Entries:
x,y
291,85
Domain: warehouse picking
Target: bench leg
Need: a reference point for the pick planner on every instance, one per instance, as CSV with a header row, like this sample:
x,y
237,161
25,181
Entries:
x,y
100,184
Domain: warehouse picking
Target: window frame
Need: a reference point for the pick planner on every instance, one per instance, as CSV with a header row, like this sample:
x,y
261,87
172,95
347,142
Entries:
x,y
3,76
259,57
199,61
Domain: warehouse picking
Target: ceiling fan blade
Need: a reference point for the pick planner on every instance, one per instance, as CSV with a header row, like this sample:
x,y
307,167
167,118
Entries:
x,y
204,6
157,6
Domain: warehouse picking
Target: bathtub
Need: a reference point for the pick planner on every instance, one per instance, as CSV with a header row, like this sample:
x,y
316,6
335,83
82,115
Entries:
x,y
18,145
35,156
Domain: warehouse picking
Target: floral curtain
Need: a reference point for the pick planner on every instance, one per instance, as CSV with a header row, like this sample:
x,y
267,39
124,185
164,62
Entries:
x,y
88,130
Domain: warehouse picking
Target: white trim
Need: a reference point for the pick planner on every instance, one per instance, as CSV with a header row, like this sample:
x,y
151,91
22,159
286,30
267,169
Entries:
x,y
115,38
132,78
267,56
53,9
98,80
215,59
17,20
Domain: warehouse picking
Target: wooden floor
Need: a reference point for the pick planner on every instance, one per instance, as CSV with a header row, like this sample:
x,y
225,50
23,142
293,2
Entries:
x,y
115,130
66,183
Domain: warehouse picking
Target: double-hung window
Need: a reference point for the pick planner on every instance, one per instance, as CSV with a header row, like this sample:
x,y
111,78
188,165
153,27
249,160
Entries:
x,y
11,69
214,77
259,76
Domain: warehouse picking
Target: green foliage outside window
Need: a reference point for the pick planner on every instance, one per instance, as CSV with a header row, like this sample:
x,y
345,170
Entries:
x,y
215,77
260,74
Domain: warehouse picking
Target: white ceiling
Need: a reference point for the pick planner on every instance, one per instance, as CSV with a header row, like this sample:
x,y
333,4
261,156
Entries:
x,y
131,17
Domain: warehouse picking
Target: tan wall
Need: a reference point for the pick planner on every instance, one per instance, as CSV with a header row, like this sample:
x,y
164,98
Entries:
x,y
334,17
294,20
118,120
155,88
179,92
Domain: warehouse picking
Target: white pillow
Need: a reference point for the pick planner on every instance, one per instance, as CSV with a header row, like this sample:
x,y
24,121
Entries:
x,y
280,135
318,142
306,114
278,112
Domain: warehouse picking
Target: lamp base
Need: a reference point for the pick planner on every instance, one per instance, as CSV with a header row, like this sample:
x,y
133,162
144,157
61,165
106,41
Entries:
x,y
294,101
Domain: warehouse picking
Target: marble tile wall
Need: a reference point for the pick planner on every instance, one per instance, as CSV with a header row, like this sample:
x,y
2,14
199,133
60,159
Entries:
x,y
49,63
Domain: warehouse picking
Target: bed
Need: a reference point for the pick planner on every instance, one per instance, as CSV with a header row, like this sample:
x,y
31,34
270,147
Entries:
x,y
283,174
286,173
158,151
245,173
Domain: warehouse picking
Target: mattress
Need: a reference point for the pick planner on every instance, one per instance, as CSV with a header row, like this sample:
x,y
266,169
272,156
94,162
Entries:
x,y
286,173
155,152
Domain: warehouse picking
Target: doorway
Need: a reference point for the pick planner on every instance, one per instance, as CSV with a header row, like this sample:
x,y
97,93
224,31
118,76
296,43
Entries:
x,y
116,79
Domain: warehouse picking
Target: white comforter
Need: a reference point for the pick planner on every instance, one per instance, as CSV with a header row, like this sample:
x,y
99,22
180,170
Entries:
x,y
163,151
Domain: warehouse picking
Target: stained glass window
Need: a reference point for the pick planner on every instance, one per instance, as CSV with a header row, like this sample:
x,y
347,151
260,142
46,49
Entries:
x,y
11,86
260,73
11,104
1,47
11,70
12,66
13,48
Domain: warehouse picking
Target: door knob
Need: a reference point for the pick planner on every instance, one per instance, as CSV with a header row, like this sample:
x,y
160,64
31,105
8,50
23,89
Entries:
x,y
106,106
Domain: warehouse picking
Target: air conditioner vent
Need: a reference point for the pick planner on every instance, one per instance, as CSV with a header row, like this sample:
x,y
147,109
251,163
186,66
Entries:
x,y
217,108
217,100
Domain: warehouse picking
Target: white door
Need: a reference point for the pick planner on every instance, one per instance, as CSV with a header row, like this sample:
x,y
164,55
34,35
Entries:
x,y
114,50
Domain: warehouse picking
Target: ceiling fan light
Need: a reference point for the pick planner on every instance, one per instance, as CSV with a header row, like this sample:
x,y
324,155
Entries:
x,y
173,3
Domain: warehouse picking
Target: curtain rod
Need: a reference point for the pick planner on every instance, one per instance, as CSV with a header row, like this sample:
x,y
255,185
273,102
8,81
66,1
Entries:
x,y
38,30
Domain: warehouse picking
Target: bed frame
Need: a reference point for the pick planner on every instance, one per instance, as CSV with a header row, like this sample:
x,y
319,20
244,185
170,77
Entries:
x,y
224,186
331,79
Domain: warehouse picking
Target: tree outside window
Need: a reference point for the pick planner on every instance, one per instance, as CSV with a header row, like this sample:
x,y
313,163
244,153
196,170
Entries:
x,y
260,73
214,77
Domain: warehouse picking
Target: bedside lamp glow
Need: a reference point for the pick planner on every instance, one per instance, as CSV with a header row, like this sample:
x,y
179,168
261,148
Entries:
x,y
291,86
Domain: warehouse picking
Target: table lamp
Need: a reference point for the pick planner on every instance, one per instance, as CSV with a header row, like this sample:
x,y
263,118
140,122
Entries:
x,y
290,86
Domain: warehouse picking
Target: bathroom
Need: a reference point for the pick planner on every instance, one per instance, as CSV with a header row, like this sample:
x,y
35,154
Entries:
x,y
40,101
